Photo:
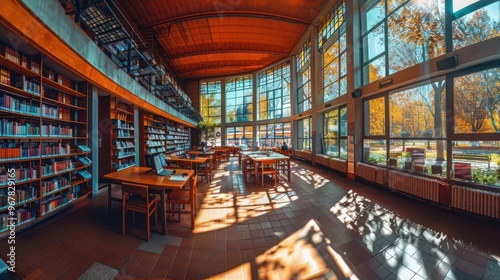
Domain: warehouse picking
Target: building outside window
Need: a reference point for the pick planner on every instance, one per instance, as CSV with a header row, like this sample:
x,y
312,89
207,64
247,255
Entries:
x,y
335,132
304,97
239,99
274,92
304,134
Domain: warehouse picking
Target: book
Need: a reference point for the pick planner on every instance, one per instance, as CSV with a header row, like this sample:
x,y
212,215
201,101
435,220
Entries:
x,y
85,174
83,148
85,160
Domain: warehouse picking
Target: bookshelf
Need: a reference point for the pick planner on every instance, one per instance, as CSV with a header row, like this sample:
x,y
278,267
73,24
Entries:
x,y
177,138
44,154
122,135
154,133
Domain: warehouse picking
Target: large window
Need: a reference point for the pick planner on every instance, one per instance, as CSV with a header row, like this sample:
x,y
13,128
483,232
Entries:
x,y
304,134
239,99
274,134
304,97
210,95
475,21
274,92
240,136
331,23
400,34
335,69
335,132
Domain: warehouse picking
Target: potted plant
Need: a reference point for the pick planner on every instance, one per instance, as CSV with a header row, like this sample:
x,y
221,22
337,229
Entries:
x,y
206,131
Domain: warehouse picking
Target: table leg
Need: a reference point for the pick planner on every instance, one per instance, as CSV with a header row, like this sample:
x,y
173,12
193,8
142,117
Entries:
x,y
163,214
289,173
109,196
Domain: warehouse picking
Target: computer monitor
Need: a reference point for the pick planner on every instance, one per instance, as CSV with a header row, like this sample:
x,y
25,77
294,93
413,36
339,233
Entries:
x,y
149,159
159,167
163,159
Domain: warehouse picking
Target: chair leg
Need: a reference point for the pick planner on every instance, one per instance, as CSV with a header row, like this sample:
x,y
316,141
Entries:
x,y
123,221
148,226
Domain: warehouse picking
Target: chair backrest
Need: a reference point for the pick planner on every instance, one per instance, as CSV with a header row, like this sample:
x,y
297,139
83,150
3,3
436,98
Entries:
x,y
136,189
184,164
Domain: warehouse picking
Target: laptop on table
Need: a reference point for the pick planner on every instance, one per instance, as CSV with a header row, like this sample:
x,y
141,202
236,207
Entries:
x,y
160,171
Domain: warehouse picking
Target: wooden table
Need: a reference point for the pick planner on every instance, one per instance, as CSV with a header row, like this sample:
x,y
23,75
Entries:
x,y
259,157
194,161
157,184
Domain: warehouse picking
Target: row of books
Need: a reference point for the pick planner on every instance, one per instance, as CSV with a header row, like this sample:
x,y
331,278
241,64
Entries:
x,y
18,152
22,214
121,116
59,96
4,76
10,103
20,196
156,130
54,167
156,136
53,202
21,174
12,128
123,106
52,112
52,149
178,129
150,143
124,144
123,133
54,184
122,125
123,163
49,130
156,150
14,56
122,153
174,137
27,85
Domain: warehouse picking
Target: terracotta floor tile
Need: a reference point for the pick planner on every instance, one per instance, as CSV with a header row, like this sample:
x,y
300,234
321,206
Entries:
x,y
315,226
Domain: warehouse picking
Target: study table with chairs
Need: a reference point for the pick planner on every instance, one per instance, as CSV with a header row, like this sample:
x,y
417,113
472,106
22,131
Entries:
x,y
177,187
257,163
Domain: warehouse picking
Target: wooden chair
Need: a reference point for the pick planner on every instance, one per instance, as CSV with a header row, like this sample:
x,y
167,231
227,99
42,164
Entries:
x,y
205,169
268,167
184,196
137,198
225,155
392,162
247,167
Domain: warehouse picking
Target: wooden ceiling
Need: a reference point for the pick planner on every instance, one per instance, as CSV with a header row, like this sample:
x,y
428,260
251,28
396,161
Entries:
x,y
202,39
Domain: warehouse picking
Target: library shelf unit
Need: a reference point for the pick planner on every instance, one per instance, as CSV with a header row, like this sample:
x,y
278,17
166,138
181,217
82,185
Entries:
x,y
178,141
117,149
122,135
154,133
44,154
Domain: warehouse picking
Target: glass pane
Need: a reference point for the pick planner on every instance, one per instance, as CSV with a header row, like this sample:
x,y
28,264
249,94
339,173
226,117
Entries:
x,y
374,43
374,151
426,156
375,70
418,112
477,26
375,117
374,15
460,4
476,161
477,102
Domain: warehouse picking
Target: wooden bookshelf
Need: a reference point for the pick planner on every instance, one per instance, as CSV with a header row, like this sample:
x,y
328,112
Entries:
x,y
154,133
177,142
44,154
117,130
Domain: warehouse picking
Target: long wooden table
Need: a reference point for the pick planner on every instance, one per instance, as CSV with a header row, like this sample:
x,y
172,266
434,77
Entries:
x,y
260,156
193,161
157,184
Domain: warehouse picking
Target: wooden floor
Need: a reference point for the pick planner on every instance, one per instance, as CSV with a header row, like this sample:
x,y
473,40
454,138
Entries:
x,y
318,226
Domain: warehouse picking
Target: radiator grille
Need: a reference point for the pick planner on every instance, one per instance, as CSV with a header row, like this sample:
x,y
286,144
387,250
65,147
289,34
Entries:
x,y
423,187
372,173
476,201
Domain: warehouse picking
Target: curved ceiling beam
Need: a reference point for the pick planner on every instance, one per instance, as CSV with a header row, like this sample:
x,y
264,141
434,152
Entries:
x,y
189,54
222,14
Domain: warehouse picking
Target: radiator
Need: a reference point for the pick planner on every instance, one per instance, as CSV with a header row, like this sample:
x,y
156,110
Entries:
x,y
420,186
338,164
372,173
477,201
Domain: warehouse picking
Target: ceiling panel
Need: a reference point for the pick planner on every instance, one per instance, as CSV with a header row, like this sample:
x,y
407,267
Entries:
x,y
201,39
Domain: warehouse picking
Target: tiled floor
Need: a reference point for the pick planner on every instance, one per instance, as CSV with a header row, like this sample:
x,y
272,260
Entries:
x,y
318,226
